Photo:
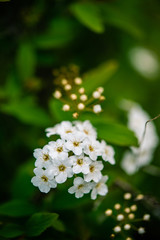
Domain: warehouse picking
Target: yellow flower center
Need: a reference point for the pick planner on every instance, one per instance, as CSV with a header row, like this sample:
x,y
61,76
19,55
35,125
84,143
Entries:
x,y
80,186
45,157
76,144
80,161
91,149
44,178
62,168
91,168
59,149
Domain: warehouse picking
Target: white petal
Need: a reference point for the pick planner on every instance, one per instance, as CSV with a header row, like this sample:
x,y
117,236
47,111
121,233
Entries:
x,y
61,178
78,180
72,189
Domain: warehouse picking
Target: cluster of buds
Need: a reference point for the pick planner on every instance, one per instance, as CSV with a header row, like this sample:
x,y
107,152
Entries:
x,y
74,97
126,217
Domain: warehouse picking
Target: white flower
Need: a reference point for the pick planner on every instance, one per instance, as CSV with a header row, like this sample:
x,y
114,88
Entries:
x,y
107,152
75,142
42,156
87,128
52,130
100,188
97,108
61,169
141,156
43,181
80,164
94,172
80,187
65,128
57,149
92,148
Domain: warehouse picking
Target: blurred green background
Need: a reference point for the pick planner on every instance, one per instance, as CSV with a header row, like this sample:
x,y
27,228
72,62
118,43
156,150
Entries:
x,y
115,43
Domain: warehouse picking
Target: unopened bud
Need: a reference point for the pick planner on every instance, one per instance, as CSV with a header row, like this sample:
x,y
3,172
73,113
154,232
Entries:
x,y
57,94
66,107
78,81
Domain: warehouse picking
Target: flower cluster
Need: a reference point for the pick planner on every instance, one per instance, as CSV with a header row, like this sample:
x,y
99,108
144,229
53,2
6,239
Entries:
x,y
74,97
76,153
125,217
136,158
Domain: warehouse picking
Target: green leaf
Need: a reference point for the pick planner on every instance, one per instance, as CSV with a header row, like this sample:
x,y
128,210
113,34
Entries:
x,y
39,222
11,230
58,225
88,14
27,111
70,201
26,61
99,76
56,111
23,181
17,208
115,133
118,17
60,32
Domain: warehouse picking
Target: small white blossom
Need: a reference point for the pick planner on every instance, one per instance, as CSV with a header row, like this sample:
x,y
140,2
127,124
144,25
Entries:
x,y
57,149
43,181
80,187
61,169
94,172
107,153
80,164
92,148
97,108
87,128
100,188
75,142
65,128
139,157
52,130
42,156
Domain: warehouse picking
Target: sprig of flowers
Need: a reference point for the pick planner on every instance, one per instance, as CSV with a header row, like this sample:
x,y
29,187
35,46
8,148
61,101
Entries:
x,y
76,153
125,216
74,97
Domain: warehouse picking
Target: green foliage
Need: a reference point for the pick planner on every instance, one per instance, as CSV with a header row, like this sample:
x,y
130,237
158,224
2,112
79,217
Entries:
x,y
39,222
26,61
11,230
99,76
116,133
88,14
58,34
38,37
17,208
26,111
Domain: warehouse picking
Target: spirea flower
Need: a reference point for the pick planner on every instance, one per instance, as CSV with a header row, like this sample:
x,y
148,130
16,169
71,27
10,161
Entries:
x,y
76,151
135,158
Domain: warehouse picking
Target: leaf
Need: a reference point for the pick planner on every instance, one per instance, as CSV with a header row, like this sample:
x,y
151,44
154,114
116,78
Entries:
x,y
118,17
11,230
39,222
26,61
58,225
17,208
56,110
27,111
71,202
116,133
88,14
23,181
99,76
60,32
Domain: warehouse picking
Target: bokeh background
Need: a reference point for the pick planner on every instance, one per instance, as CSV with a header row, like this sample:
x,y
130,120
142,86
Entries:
x,y
117,42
